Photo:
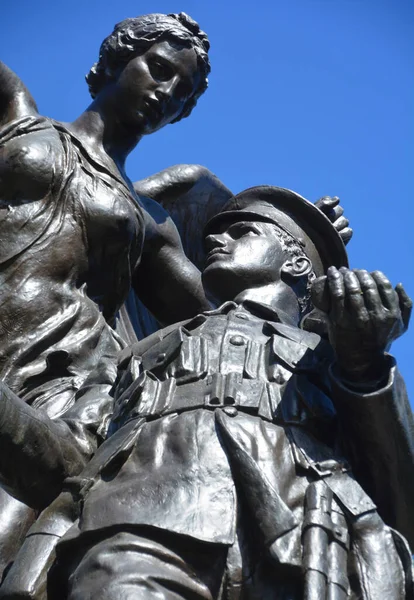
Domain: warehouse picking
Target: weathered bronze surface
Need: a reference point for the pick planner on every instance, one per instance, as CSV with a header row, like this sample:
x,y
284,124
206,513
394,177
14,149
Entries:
x,y
75,237
260,445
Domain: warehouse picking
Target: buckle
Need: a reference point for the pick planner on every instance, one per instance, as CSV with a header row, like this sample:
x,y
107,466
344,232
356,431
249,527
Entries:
x,y
325,468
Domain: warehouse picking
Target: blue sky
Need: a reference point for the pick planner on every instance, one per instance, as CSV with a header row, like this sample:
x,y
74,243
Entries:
x,y
314,95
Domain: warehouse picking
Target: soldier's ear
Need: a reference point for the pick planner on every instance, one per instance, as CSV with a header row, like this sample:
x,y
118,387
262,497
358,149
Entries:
x,y
297,266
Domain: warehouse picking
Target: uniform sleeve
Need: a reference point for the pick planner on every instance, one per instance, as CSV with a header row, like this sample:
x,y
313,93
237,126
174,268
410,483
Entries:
x,y
378,432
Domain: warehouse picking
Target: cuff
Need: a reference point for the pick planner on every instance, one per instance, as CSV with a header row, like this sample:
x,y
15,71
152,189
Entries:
x,y
365,388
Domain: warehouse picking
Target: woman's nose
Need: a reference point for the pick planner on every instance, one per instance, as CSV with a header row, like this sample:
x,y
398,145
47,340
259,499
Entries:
x,y
165,89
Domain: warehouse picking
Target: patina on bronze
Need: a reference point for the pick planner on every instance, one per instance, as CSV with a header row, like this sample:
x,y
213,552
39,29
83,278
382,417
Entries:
x,y
74,233
240,456
75,236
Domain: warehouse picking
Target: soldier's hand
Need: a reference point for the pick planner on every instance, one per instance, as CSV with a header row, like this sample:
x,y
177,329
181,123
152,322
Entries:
x,y
365,314
406,307
329,205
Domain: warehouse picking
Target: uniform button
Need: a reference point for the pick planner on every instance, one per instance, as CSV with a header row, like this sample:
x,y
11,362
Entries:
x,y
280,378
237,340
230,411
241,316
161,357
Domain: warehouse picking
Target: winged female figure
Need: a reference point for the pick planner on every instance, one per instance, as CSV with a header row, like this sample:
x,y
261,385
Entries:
x,y
75,236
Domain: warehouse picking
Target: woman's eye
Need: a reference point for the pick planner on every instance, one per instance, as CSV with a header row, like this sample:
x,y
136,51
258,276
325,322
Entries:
x,y
160,71
183,91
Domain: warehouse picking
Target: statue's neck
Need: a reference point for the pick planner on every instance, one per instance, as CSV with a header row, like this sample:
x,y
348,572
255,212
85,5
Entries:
x,y
101,133
278,296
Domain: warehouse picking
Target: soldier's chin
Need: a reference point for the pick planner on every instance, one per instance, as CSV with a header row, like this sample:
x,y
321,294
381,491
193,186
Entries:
x,y
213,270
217,281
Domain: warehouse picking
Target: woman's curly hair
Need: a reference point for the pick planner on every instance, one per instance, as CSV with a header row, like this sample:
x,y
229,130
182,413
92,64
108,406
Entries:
x,y
134,36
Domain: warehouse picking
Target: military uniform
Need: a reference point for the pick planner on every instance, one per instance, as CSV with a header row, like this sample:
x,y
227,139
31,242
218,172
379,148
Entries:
x,y
225,433
234,463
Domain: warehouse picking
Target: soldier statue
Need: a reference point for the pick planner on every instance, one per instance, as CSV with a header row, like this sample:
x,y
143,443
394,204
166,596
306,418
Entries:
x,y
235,455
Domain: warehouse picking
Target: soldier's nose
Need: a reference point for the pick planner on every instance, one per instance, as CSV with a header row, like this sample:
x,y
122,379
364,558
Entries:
x,y
215,240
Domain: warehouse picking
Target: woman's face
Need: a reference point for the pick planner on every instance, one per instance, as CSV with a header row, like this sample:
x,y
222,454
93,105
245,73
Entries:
x,y
153,88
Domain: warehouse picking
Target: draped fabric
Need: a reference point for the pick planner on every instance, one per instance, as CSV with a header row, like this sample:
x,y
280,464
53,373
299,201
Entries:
x,y
65,268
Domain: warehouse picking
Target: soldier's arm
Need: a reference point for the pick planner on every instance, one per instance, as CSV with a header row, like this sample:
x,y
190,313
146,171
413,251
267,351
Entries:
x,y
38,453
15,99
378,433
365,315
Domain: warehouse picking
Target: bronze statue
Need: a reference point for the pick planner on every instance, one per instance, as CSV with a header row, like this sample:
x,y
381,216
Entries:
x,y
74,235
192,195
74,232
240,456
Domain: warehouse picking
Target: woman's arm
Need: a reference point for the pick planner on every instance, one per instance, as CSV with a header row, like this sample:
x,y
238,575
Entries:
x,y
38,453
192,195
15,99
166,280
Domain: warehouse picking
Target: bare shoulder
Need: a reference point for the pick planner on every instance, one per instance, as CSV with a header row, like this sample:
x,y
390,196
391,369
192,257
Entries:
x,y
15,99
28,162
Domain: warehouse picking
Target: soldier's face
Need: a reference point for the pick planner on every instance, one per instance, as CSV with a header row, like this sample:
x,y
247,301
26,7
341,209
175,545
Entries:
x,y
241,256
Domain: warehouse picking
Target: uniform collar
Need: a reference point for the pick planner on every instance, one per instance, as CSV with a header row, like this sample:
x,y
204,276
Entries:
x,y
262,311
268,313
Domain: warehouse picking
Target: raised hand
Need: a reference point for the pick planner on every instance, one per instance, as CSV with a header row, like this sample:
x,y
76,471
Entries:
x,y
365,314
329,205
406,307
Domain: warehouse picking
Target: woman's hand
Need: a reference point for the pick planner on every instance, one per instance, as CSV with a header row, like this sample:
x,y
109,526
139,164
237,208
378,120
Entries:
x,y
329,205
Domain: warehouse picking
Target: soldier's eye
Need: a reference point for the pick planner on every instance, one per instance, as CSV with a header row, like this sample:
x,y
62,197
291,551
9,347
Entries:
x,y
242,230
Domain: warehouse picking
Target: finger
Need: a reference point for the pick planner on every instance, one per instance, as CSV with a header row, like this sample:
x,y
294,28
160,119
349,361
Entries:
x,y
337,293
338,211
327,202
341,223
389,296
369,288
320,294
354,297
406,305
346,234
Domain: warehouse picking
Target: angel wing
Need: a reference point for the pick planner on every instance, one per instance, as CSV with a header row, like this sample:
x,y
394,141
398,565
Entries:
x,y
191,194
15,99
